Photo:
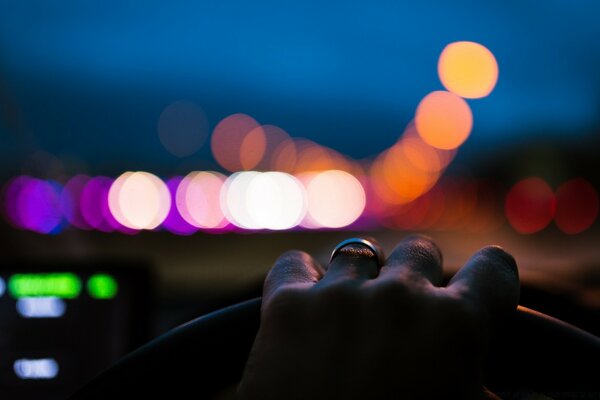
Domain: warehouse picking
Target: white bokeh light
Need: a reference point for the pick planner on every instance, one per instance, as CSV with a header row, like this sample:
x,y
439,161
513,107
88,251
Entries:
x,y
335,199
275,200
139,200
233,199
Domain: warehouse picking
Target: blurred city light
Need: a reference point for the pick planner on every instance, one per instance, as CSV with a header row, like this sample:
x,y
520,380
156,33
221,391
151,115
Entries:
x,y
182,128
576,206
139,200
70,201
227,140
102,286
174,222
64,285
530,205
41,307
39,368
276,200
234,199
94,205
444,120
284,157
335,199
253,147
468,69
34,204
198,200
276,140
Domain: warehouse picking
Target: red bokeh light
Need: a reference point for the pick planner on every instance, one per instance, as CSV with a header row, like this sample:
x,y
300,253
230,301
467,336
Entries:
x,y
576,206
530,205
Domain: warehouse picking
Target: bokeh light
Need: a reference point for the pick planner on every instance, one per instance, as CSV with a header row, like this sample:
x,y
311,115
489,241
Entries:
x,y
335,199
198,200
139,200
94,206
253,147
284,157
37,205
70,201
227,139
468,69
174,222
312,156
421,154
276,140
10,194
444,120
275,200
576,206
182,128
530,205
233,199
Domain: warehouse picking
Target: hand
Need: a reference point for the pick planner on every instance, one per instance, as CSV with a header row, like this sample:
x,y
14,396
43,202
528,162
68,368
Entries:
x,y
354,332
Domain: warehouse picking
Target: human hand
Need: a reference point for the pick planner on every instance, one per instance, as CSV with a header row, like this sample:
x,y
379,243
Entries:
x,y
356,332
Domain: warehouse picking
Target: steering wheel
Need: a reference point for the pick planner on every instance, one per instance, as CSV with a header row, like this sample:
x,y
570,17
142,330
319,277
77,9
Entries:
x,y
531,352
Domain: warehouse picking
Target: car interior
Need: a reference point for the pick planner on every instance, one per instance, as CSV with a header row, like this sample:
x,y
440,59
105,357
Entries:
x,y
157,158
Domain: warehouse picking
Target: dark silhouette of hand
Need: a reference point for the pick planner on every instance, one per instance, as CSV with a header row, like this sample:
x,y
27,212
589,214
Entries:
x,y
357,332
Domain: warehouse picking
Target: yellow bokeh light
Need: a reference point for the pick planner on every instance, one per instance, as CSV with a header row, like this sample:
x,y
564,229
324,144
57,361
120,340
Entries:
x,y
468,69
443,120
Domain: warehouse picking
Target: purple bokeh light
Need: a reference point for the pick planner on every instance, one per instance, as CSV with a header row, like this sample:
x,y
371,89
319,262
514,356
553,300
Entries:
x,y
174,222
70,201
34,204
94,206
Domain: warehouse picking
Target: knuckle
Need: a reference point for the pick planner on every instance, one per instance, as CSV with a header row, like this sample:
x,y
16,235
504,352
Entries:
x,y
498,256
461,311
289,261
341,298
284,300
391,292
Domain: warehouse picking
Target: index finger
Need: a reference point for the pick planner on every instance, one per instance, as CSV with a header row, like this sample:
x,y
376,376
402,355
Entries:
x,y
490,279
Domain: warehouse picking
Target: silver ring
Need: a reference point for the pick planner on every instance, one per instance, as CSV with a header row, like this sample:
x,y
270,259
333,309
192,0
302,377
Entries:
x,y
367,243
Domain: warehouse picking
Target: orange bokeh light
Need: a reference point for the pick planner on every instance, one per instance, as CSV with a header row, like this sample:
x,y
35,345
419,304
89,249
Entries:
x,y
252,149
443,120
284,157
421,154
314,157
275,138
227,140
468,69
405,180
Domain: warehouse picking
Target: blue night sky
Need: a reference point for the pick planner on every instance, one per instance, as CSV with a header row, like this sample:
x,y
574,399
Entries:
x,y
89,79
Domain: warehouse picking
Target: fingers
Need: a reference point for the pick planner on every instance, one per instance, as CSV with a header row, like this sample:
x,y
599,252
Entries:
x,y
490,279
353,261
293,268
416,256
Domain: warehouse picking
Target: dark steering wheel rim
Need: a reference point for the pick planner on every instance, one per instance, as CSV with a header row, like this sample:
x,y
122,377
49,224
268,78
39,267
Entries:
x,y
530,352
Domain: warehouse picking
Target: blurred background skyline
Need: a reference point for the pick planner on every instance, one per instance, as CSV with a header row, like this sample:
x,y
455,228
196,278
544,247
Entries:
x,y
87,82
